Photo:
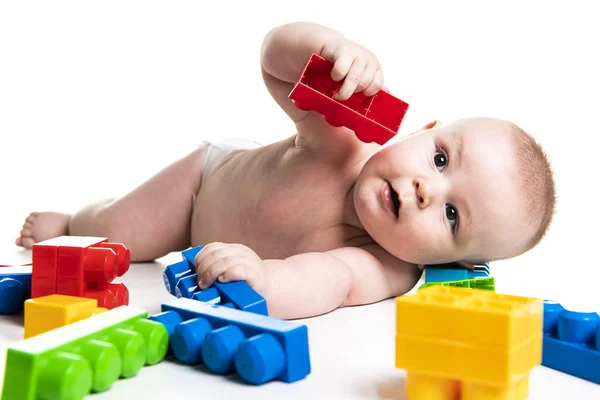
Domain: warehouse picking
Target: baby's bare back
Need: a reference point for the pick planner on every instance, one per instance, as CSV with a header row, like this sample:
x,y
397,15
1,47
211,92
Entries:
x,y
279,200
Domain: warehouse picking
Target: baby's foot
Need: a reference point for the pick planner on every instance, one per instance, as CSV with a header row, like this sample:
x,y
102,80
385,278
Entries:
x,y
40,226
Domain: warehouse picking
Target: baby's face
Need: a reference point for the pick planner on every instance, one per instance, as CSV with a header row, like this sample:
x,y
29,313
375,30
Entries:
x,y
446,193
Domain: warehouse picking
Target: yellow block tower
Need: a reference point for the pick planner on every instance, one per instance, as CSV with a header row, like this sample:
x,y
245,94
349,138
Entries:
x,y
468,344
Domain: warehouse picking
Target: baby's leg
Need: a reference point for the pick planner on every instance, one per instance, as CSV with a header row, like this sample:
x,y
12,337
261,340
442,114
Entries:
x,y
152,220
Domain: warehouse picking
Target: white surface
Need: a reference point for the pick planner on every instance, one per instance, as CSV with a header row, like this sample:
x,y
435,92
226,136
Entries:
x,y
97,96
351,350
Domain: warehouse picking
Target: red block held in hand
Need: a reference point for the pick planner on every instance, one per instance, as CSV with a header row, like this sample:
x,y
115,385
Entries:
x,y
375,118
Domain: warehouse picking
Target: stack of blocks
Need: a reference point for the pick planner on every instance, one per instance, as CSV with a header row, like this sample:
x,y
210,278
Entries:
x,y
86,356
15,288
81,266
467,343
453,275
227,328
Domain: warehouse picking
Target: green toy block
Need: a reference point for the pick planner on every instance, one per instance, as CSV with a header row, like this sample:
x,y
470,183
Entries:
x,y
473,283
86,356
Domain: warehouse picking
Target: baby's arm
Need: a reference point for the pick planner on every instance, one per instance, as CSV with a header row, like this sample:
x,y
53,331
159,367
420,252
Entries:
x,y
315,283
285,51
310,284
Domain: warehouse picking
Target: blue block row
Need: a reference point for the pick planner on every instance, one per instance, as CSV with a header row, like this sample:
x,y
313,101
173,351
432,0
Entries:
x,y
571,342
257,347
453,272
181,281
15,288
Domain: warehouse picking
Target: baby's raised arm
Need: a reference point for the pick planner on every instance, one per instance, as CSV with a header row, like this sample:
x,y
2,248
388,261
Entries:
x,y
285,51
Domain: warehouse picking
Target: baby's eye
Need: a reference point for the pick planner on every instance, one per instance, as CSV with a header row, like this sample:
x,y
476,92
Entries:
x,y
452,215
440,160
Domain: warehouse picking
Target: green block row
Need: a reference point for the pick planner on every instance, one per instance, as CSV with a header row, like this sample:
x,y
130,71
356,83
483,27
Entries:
x,y
87,356
473,283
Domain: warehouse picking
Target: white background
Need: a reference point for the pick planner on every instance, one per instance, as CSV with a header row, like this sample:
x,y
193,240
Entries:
x,y
96,97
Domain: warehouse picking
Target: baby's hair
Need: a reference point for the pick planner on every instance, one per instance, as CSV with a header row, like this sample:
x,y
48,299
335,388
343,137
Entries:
x,y
537,181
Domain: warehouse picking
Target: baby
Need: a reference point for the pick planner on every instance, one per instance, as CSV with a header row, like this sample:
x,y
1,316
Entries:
x,y
321,220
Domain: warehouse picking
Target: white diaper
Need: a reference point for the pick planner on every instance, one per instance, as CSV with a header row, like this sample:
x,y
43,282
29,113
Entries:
x,y
215,152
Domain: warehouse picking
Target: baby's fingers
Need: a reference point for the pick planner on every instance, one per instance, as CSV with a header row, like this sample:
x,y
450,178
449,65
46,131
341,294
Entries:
x,y
215,269
354,80
239,273
376,83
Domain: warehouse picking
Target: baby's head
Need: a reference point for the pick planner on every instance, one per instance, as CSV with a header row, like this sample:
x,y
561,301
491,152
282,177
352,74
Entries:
x,y
474,190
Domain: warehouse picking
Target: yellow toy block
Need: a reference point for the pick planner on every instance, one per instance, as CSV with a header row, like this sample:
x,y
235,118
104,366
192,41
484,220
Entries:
x,y
43,314
484,341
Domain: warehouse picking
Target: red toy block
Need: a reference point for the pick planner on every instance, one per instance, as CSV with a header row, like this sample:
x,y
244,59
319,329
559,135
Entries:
x,y
109,296
81,266
373,119
43,277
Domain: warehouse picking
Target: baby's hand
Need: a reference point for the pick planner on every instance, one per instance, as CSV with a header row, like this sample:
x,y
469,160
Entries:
x,y
358,65
230,262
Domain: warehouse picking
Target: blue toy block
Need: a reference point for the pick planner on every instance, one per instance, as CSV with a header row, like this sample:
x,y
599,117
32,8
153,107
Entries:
x,y
187,286
259,348
242,296
571,342
15,288
173,273
452,272
207,295
180,279
190,255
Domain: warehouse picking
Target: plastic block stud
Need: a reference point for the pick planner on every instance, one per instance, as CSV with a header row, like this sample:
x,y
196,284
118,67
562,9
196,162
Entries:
x,y
572,341
50,312
81,266
375,118
259,348
484,341
15,288
86,356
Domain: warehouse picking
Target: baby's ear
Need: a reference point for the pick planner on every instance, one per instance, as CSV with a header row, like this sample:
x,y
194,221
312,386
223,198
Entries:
x,y
431,124
466,265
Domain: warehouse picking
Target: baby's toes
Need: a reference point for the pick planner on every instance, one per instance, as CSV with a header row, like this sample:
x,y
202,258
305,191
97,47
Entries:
x,y
26,242
31,218
26,231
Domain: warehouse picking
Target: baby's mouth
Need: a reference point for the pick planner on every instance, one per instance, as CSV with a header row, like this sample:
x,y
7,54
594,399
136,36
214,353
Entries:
x,y
395,200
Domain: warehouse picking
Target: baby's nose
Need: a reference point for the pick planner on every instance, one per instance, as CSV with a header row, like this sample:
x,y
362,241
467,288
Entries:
x,y
426,191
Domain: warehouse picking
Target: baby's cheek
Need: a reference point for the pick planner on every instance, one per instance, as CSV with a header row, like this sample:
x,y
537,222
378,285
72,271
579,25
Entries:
x,y
419,244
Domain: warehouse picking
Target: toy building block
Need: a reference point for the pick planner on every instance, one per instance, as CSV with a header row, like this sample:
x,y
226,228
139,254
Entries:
x,y
86,356
259,348
15,288
375,118
571,342
43,314
477,343
453,272
180,280
81,266
473,283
